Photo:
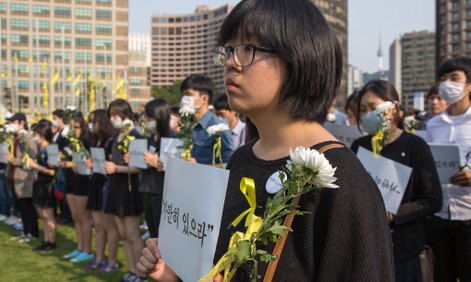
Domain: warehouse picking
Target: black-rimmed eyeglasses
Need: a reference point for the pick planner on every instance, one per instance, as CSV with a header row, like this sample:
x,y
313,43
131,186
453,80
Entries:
x,y
243,54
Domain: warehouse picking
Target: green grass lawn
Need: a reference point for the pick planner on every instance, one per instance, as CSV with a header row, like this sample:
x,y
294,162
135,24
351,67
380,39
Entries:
x,y
19,263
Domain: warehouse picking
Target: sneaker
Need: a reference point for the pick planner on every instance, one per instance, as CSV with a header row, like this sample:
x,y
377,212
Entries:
x,y
72,254
93,265
18,237
11,220
17,227
49,246
145,236
41,247
128,277
139,279
83,257
107,267
3,217
28,238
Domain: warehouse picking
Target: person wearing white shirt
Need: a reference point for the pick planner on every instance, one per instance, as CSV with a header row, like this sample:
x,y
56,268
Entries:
x,y
224,111
448,232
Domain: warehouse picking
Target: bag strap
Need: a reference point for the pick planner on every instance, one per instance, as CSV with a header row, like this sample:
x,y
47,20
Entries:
x,y
280,243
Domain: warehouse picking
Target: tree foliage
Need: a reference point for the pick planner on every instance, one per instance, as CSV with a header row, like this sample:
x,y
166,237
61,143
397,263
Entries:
x,y
170,93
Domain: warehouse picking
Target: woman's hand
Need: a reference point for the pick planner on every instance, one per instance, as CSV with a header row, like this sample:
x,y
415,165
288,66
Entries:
x,y
88,163
390,217
9,157
151,264
192,160
110,167
153,160
462,178
126,158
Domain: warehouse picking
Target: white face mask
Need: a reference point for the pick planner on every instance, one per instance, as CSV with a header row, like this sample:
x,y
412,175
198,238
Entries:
x,y
451,91
90,126
189,101
55,123
173,122
36,140
150,126
117,123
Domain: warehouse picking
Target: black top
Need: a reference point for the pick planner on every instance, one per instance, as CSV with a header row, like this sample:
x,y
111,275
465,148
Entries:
x,y
423,195
345,237
71,178
117,157
152,181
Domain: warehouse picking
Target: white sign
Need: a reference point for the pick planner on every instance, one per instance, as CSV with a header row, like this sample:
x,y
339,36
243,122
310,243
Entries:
x,y
192,206
137,147
419,100
98,156
82,169
447,160
168,148
52,152
3,153
344,133
390,176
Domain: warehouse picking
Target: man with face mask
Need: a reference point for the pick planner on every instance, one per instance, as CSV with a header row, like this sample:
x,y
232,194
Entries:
x,y
448,232
197,93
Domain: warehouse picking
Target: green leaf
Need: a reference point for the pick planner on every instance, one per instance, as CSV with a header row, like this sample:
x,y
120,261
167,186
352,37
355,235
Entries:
x,y
267,257
245,248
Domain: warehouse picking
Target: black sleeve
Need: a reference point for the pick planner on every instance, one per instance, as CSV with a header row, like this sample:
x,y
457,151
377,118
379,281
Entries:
x,y
86,142
427,196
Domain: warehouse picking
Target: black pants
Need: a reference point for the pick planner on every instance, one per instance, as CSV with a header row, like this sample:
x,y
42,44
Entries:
x,y
451,245
29,216
152,211
16,204
408,270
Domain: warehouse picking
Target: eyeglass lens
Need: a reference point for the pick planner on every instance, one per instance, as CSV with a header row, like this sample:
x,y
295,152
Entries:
x,y
243,55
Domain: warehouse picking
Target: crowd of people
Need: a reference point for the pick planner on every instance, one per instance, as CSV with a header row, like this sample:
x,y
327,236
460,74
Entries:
x,y
286,84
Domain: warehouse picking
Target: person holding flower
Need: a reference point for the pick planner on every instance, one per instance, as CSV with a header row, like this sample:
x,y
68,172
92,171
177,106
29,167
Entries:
x,y
124,200
282,68
378,115
197,93
22,176
43,192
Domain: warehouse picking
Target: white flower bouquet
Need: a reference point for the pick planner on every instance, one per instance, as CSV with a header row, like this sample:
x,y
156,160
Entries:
x,y
216,131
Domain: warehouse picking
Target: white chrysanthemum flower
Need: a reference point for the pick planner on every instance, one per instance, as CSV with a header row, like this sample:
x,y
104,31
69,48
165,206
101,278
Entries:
x,y
128,123
217,128
2,129
307,159
68,151
65,131
385,107
187,111
9,128
71,108
22,132
331,117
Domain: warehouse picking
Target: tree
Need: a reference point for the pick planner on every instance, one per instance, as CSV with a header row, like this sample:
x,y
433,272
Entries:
x,y
171,93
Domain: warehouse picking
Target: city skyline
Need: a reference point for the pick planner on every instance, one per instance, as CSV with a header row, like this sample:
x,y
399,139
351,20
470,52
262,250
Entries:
x,y
365,22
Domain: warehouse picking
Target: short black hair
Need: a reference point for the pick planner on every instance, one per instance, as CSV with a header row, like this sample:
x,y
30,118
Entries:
x,y
43,128
300,34
454,64
199,82
222,103
59,113
175,110
121,108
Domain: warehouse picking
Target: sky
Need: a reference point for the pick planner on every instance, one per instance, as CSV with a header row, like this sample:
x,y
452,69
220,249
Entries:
x,y
366,19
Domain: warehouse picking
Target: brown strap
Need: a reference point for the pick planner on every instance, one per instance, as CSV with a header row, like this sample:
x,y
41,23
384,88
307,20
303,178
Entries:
x,y
280,243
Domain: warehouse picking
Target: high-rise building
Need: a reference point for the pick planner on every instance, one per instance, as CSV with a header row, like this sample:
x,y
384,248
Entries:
x,y
453,29
417,65
355,79
182,44
141,42
70,36
139,90
395,65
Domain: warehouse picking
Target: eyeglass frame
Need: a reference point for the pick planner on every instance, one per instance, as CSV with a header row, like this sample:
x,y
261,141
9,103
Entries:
x,y
231,50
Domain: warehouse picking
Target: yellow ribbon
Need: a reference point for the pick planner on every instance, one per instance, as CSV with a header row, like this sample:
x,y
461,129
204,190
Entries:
x,y
217,150
25,159
187,153
54,79
46,97
376,143
228,258
43,66
247,187
77,79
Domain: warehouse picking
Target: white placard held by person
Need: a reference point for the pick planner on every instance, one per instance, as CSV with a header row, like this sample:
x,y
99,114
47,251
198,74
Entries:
x,y
81,168
137,147
421,133
390,176
3,153
52,152
168,148
98,156
192,206
344,133
447,160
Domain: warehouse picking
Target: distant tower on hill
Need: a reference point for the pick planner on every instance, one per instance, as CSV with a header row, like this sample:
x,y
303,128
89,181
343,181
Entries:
x,y
380,55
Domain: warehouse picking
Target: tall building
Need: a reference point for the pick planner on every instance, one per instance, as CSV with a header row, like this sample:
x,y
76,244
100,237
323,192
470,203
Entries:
x,y
182,44
355,79
139,90
395,65
453,29
70,36
417,65
141,42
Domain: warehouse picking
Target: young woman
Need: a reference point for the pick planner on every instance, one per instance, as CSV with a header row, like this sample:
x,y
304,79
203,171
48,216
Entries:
x,y
101,135
43,193
124,200
350,108
422,197
282,69
77,196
